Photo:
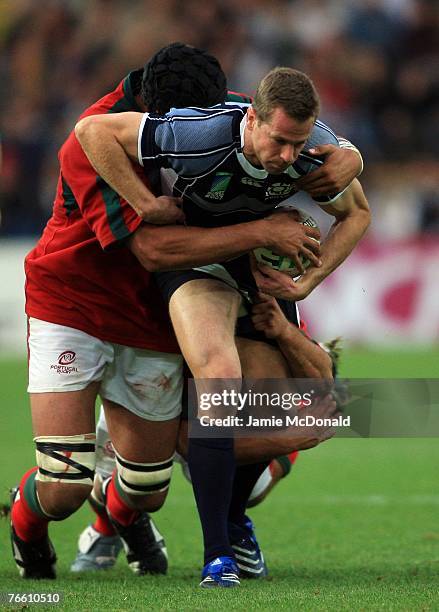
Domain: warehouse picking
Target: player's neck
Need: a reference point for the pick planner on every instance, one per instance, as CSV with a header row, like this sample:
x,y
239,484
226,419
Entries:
x,y
248,150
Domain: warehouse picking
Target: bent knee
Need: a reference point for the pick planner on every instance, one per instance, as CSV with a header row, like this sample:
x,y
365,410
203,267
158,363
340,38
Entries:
x,y
145,484
65,472
154,503
60,500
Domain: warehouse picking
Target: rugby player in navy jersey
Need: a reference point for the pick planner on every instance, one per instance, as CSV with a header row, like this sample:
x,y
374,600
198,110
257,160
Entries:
x,y
231,164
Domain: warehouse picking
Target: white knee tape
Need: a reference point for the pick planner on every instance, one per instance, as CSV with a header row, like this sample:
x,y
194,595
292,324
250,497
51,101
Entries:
x,y
67,459
144,478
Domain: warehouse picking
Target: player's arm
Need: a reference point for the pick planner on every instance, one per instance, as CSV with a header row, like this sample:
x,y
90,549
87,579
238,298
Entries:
x,y
305,358
341,165
352,218
179,246
273,444
110,143
284,442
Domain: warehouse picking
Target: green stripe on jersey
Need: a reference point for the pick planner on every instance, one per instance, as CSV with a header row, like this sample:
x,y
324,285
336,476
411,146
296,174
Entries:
x,y
128,101
121,106
70,203
114,210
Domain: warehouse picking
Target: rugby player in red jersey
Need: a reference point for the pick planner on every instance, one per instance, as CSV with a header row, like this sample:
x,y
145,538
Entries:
x,y
97,324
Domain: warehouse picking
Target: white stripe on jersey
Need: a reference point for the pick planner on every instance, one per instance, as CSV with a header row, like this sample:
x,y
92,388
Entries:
x,y
347,144
164,118
139,138
325,127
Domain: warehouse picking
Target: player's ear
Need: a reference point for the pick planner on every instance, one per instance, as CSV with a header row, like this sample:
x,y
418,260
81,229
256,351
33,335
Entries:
x,y
251,117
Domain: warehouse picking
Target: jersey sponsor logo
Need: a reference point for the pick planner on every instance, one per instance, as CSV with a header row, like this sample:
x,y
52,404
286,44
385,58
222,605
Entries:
x,y
248,180
65,359
280,189
219,185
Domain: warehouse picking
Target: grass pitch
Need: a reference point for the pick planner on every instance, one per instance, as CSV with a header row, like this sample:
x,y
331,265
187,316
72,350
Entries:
x,y
355,526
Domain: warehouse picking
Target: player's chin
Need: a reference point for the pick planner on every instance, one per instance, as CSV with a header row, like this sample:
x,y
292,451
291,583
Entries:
x,y
275,168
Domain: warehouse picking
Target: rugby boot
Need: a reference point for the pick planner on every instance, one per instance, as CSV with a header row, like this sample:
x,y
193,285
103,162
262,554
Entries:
x,y
96,551
248,554
221,572
35,559
144,545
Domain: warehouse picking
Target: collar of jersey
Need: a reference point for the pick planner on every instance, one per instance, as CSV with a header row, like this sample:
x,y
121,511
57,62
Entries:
x,y
251,170
128,90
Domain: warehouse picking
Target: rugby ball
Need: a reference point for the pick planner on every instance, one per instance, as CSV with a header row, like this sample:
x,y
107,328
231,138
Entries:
x,y
282,262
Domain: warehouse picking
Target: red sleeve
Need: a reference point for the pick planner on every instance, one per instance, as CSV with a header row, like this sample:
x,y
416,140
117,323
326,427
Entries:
x,y
108,215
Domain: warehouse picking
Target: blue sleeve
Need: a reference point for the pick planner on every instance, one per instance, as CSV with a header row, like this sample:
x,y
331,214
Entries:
x,y
306,163
190,141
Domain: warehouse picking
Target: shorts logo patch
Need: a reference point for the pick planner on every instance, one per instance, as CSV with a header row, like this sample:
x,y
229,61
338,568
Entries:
x,y
65,359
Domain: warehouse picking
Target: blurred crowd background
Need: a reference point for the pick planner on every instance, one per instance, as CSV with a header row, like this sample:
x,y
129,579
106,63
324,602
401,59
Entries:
x,y
375,64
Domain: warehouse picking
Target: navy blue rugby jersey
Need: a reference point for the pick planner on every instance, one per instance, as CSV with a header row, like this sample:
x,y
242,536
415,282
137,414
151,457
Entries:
x,y
199,152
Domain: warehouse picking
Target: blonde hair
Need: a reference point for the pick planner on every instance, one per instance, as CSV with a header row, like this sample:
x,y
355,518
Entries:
x,y
289,89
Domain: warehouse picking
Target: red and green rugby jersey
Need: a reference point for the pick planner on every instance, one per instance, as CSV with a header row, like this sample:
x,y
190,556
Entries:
x,y
76,275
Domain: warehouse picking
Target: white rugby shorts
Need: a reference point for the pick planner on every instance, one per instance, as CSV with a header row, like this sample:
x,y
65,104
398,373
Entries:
x,y
147,383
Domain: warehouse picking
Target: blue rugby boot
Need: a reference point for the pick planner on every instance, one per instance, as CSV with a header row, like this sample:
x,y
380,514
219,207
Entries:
x,y
248,555
221,572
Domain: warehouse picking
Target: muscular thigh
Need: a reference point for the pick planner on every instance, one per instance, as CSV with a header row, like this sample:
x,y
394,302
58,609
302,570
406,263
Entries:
x,y
204,314
138,439
64,414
